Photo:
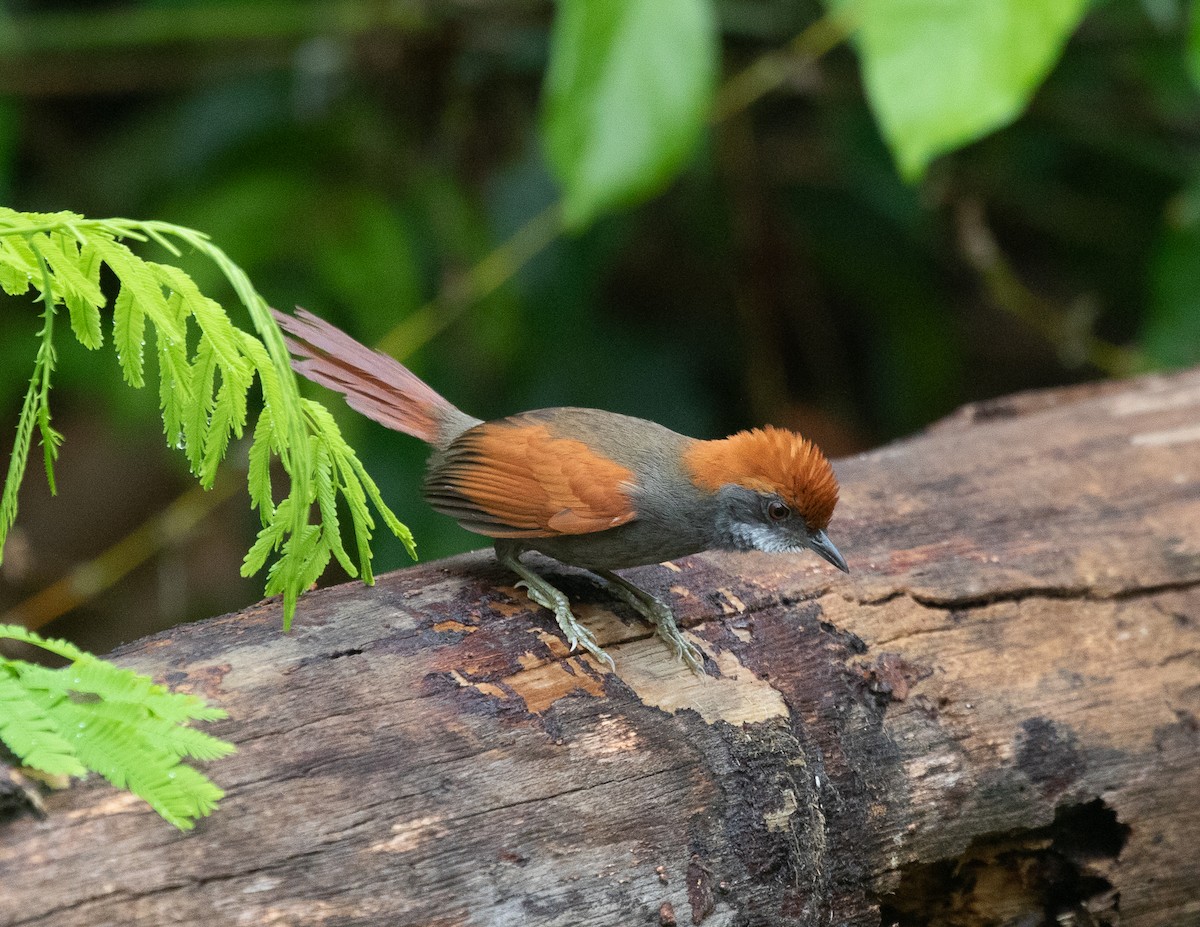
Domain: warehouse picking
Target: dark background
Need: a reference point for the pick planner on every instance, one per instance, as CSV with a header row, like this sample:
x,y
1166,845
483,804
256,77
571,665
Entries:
x,y
360,158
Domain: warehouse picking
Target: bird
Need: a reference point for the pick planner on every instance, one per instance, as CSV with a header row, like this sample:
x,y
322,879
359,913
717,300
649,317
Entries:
x,y
591,489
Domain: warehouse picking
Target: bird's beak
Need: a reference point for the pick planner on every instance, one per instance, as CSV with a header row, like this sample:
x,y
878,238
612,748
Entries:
x,y
819,543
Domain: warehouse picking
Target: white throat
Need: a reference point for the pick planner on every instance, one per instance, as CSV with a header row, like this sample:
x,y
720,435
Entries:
x,y
760,537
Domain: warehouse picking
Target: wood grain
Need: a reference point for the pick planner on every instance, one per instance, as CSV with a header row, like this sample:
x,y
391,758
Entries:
x,y
992,720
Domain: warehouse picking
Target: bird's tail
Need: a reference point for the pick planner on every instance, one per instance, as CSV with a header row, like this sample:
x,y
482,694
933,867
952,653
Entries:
x,y
374,384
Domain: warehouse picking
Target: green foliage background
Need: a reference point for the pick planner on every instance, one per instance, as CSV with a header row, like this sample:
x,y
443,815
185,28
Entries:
x,y
897,228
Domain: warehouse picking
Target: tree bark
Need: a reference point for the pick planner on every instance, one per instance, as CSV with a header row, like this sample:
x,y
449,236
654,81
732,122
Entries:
x,y
992,720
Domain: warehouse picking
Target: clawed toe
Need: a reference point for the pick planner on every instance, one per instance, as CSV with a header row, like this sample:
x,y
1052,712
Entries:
x,y
659,614
545,595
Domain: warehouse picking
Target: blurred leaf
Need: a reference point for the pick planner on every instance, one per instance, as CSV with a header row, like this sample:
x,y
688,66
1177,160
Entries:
x,y
1166,15
627,92
1193,42
940,75
1171,329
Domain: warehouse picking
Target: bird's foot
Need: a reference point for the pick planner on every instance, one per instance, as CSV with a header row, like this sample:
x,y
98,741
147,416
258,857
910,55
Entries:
x,y
659,614
576,634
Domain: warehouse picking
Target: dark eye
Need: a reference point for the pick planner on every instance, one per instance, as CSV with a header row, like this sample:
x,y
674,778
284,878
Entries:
x,y
777,511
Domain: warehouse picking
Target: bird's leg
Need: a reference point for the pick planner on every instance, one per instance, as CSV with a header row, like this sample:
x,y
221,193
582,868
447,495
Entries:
x,y
659,614
547,596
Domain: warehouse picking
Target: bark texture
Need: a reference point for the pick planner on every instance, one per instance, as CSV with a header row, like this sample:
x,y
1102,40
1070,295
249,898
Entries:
x,y
992,720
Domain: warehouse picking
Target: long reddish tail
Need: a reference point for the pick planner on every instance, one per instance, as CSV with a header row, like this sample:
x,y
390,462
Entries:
x,y
374,384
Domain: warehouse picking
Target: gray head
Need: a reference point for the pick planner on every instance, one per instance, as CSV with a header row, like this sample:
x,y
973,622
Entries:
x,y
751,520
775,491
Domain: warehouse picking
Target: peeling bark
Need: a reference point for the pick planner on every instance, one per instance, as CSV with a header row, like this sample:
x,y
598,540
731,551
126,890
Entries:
x,y
992,720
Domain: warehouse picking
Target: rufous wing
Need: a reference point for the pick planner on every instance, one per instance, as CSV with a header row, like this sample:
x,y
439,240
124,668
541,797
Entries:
x,y
512,479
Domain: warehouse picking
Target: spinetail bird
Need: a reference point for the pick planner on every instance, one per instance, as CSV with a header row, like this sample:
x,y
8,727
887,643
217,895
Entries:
x,y
592,489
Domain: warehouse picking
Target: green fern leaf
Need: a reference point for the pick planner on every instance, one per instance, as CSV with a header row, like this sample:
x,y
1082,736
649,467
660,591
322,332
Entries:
x,y
360,515
30,732
23,255
20,454
268,540
227,420
51,441
73,270
86,676
176,739
209,316
350,486
93,715
124,755
298,548
198,414
89,675
259,478
176,393
178,707
331,528
268,376
203,396
393,523
129,334
144,287
16,273
187,742
56,645
302,559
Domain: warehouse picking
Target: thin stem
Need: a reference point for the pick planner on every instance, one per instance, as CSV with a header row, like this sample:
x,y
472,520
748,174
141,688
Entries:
x,y
1057,324
773,69
494,270
45,360
87,580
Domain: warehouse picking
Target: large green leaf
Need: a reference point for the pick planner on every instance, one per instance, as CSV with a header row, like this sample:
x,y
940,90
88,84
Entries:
x,y
628,90
942,73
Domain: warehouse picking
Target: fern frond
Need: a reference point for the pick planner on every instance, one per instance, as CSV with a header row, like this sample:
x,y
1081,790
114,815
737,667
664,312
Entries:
x,y
199,413
209,316
393,523
55,645
259,473
125,755
175,392
129,333
16,271
145,290
92,715
207,368
20,455
76,283
360,515
176,739
29,731
269,539
326,490
35,410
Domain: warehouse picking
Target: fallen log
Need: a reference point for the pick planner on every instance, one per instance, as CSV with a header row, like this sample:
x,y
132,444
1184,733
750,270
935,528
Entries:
x,y
992,720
